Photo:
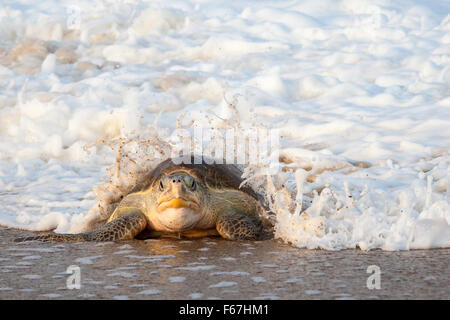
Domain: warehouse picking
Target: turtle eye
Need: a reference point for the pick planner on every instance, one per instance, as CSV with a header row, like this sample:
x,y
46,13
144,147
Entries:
x,y
161,186
190,182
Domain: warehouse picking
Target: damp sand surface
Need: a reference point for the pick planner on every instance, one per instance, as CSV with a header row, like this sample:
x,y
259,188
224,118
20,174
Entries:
x,y
213,268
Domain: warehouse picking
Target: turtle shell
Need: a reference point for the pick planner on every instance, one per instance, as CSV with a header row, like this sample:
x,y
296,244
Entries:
x,y
216,176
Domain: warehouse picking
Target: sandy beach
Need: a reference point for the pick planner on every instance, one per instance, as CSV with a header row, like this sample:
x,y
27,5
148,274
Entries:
x,y
213,268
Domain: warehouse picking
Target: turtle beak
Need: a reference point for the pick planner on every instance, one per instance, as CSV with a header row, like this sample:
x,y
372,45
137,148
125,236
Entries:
x,y
176,203
178,198
178,190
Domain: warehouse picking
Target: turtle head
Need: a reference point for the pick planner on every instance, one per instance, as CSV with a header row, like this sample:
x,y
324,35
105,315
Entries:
x,y
179,198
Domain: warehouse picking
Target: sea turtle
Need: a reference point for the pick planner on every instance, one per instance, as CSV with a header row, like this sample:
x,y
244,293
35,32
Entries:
x,y
191,200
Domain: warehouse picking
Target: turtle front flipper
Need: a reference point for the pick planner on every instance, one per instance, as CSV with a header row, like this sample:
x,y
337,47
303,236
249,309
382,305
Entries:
x,y
237,226
123,228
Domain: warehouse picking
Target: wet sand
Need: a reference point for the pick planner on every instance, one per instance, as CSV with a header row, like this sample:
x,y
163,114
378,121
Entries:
x,y
213,268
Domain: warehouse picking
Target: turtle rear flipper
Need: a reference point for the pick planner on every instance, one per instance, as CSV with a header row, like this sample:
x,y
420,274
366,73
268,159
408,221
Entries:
x,y
122,228
237,226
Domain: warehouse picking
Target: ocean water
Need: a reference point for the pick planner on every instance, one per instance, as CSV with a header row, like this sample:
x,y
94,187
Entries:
x,y
359,92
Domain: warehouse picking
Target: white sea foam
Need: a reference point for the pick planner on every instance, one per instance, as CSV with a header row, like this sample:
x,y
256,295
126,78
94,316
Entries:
x,y
87,260
122,274
51,295
150,292
359,90
198,268
223,284
32,276
177,279
231,273
258,279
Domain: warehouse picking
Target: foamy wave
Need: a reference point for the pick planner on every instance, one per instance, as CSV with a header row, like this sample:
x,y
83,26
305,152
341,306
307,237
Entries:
x,y
358,91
